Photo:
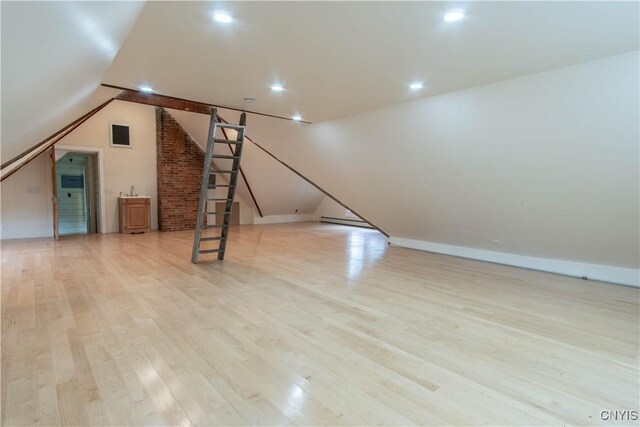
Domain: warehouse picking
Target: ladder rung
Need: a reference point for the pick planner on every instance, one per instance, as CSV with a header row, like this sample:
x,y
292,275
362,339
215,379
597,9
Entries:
x,y
215,156
212,226
208,239
214,213
230,126
218,200
227,141
221,185
224,171
209,251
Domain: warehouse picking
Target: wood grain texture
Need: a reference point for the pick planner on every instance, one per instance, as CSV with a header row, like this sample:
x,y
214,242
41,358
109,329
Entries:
x,y
304,324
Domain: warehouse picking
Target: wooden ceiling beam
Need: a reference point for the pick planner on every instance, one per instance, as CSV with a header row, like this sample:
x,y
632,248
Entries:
x,y
181,104
164,102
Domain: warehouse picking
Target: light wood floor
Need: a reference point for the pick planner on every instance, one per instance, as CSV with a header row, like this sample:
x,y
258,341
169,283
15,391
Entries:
x,y
304,324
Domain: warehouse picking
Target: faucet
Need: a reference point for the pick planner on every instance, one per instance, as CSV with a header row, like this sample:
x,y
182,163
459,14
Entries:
x,y
132,193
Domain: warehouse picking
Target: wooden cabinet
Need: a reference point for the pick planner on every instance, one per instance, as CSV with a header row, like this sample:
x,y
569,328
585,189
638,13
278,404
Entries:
x,y
135,214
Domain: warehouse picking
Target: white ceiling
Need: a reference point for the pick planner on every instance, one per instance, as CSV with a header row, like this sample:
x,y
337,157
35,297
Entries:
x,y
54,55
335,58
343,58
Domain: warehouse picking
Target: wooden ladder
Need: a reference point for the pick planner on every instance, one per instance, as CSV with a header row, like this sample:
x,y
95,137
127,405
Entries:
x,y
205,186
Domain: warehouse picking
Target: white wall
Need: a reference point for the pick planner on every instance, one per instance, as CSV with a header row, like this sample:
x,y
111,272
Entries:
x,y
123,166
546,165
29,215
25,208
330,208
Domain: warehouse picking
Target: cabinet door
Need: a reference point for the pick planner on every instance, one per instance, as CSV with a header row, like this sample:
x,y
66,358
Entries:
x,y
137,216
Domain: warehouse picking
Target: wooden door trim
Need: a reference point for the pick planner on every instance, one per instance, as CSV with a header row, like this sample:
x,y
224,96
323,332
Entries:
x,y
54,195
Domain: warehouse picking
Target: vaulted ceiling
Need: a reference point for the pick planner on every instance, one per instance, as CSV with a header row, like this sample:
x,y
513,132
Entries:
x,y
54,57
338,59
334,59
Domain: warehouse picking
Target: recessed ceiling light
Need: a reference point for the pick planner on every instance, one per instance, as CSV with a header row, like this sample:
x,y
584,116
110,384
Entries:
x,y
454,15
416,86
296,117
277,88
222,17
147,89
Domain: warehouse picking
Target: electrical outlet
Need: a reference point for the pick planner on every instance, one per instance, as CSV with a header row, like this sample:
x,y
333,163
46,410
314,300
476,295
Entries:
x,y
108,191
33,190
496,243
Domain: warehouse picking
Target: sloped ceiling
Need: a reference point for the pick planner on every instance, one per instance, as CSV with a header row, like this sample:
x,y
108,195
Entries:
x,y
54,57
335,59
278,191
339,59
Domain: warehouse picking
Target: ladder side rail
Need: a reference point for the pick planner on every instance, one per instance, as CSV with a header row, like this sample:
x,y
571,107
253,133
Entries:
x,y
232,186
204,186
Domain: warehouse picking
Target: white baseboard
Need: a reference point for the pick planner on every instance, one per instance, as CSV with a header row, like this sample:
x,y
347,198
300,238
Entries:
x,y
604,273
278,219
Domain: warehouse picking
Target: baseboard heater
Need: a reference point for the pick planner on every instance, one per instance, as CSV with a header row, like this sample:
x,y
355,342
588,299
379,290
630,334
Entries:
x,y
345,221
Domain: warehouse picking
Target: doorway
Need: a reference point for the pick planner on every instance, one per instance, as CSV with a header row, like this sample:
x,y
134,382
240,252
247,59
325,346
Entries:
x,y
77,184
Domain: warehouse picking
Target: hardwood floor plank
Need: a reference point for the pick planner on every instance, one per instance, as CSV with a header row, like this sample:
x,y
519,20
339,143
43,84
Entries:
x,y
304,324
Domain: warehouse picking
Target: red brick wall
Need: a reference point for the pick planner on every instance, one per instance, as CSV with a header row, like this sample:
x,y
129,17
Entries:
x,y
180,163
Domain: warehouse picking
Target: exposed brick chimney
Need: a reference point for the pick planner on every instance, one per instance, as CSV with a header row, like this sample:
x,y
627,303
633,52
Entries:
x,y
180,162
